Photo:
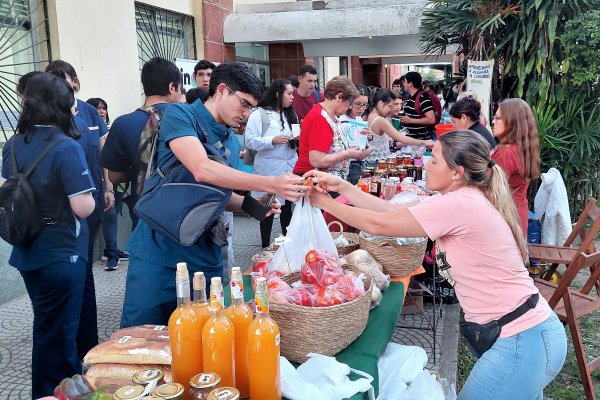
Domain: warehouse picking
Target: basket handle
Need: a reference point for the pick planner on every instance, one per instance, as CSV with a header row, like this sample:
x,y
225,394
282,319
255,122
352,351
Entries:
x,y
338,223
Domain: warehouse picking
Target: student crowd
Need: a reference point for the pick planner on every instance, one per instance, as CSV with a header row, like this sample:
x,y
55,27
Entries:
x,y
479,223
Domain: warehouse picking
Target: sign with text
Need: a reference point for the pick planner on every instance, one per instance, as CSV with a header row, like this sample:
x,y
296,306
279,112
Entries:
x,y
479,81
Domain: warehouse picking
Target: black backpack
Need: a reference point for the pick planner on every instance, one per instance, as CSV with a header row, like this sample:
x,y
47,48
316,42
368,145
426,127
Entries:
x,y
20,219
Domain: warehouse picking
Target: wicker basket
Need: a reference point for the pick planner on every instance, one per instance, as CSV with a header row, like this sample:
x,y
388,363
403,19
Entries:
x,y
323,330
352,238
397,260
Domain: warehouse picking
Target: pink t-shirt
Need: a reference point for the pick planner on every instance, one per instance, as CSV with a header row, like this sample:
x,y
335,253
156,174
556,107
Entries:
x,y
483,258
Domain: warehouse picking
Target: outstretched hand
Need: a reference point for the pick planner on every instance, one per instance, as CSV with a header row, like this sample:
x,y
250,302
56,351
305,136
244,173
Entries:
x,y
325,182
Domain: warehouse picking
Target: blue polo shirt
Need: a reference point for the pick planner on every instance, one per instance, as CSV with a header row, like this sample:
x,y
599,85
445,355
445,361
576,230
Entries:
x,y
62,172
121,149
92,118
149,245
90,143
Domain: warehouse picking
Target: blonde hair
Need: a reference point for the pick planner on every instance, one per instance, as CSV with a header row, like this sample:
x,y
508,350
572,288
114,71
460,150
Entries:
x,y
521,129
466,149
341,84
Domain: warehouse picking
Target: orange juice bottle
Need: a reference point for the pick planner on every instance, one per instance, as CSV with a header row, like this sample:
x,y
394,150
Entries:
x,y
218,348
184,332
263,349
200,304
241,317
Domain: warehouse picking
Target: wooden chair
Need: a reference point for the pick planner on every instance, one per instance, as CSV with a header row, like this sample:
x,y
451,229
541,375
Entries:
x,y
565,254
571,304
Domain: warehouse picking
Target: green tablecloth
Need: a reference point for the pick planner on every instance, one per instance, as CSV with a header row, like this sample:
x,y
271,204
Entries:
x,y
363,354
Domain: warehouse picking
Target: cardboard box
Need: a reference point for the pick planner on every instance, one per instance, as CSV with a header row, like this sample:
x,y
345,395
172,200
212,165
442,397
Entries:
x,y
413,303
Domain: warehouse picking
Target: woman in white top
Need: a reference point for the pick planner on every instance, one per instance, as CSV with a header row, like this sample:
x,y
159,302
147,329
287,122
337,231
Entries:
x,y
378,110
269,132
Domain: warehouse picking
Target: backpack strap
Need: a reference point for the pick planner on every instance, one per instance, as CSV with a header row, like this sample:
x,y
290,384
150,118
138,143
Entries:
x,y
317,96
217,145
418,102
61,204
152,119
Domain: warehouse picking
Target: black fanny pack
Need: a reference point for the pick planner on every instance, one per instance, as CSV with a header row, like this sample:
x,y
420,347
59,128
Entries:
x,y
481,337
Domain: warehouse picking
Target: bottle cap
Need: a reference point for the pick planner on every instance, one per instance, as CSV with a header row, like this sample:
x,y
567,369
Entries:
x,y
169,391
224,393
261,285
199,281
205,380
128,392
182,271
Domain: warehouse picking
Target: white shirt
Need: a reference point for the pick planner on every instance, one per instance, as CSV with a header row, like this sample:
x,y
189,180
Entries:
x,y
271,159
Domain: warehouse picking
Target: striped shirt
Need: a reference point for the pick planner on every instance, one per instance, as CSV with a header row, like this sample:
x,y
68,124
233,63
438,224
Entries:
x,y
417,131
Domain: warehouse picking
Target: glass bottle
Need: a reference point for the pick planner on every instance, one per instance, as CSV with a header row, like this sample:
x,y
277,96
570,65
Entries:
x,y
241,316
200,303
218,338
263,349
184,332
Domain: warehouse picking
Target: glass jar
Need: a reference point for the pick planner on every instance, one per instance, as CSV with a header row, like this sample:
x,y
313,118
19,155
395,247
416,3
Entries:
x,y
202,384
170,391
146,376
381,164
402,173
418,173
128,392
364,184
376,183
224,393
410,171
407,160
390,187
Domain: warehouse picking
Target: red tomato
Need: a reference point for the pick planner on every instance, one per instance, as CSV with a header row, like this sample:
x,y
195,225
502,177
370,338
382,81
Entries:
x,y
312,257
261,266
327,296
308,274
329,278
301,297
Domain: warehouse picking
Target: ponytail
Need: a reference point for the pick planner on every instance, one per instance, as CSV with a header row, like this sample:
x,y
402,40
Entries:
x,y
498,194
470,151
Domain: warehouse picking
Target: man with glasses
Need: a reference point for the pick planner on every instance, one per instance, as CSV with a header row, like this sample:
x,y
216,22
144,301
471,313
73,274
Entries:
x,y
233,91
307,94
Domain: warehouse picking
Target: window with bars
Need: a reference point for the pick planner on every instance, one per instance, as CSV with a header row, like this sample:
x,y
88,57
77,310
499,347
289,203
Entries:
x,y
256,55
163,33
24,46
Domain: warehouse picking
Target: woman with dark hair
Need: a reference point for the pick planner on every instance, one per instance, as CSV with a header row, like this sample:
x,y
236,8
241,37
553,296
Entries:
x,y
518,152
102,109
53,266
380,106
269,132
93,133
527,348
356,112
465,116
323,145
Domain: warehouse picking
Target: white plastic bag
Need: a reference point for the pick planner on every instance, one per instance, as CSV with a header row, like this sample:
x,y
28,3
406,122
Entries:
x,y
398,366
307,231
424,387
322,378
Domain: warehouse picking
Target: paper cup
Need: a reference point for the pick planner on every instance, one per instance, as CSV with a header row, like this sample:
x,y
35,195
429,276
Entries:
x,y
295,130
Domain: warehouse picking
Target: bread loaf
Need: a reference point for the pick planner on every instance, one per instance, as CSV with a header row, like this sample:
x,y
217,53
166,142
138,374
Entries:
x,y
123,372
156,332
130,350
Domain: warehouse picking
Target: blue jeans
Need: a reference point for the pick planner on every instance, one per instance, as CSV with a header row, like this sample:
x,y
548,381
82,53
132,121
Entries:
x,y
520,366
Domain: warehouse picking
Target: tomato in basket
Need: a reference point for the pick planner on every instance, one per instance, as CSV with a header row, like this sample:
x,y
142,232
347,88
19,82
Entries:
x,y
313,257
301,297
328,296
261,266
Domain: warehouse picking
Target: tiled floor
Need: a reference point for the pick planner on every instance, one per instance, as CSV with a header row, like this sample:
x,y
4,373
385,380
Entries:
x,y
16,317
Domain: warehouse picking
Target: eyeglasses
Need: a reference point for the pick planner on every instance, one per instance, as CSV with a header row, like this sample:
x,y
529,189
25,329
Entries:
x,y
361,105
349,102
245,104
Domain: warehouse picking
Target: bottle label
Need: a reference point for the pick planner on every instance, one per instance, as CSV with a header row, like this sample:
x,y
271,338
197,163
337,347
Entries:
x,y
217,300
237,289
277,339
262,302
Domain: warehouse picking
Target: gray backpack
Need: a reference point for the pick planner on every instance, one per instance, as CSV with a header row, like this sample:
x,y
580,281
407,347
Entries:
x,y
251,154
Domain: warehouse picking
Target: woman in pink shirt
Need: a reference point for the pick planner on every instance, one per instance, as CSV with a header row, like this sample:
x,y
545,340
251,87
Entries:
x,y
520,342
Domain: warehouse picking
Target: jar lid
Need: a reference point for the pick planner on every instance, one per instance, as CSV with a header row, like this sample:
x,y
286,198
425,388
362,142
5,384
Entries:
x,y
224,393
205,380
150,398
128,392
146,376
169,391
